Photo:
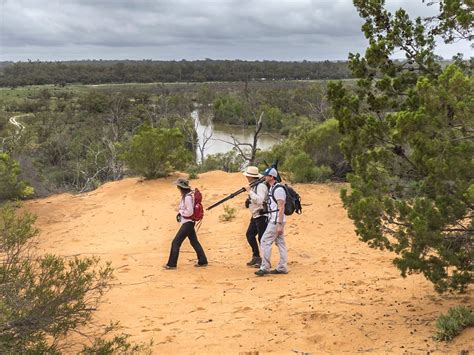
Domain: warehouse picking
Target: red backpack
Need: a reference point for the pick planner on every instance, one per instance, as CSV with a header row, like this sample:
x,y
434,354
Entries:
x,y
198,213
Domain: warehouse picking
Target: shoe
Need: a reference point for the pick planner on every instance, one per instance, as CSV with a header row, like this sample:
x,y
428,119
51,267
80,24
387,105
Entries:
x,y
167,267
200,265
278,272
254,261
261,272
256,266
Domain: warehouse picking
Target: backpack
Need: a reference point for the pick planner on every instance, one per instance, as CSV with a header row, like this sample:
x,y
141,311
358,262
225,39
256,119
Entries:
x,y
293,200
198,212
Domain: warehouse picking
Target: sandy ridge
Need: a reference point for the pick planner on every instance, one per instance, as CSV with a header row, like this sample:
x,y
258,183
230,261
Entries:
x,y
340,295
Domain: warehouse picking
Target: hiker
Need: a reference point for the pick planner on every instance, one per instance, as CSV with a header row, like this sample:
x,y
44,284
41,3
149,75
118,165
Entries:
x,y
275,228
184,217
258,195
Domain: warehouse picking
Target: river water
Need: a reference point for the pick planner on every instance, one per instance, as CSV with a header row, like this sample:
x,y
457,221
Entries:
x,y
222,133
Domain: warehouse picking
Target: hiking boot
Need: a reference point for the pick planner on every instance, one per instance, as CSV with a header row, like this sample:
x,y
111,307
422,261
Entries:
x,y
261,272
278,272
254,261
167,267
200,265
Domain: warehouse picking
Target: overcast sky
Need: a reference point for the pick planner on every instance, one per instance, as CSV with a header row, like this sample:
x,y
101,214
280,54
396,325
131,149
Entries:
x,y
188,29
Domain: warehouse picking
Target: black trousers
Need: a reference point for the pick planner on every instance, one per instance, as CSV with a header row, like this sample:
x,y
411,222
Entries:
x,y
186,231
256,227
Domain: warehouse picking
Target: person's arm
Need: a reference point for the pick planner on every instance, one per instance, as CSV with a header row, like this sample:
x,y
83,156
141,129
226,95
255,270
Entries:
x,y
188,209
280,197
261,195
281,214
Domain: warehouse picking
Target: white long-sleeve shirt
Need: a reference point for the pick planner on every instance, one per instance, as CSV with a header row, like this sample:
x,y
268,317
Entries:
x,y
258,196
186,208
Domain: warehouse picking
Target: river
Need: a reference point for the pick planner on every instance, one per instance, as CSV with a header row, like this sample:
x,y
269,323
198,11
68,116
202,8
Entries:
x,y
222,133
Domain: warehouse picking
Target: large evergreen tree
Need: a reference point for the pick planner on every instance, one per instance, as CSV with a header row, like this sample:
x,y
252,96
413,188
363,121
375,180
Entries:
x,y
408,132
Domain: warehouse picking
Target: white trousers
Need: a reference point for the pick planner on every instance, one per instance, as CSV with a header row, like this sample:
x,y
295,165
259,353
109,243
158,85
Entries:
x,y
268,238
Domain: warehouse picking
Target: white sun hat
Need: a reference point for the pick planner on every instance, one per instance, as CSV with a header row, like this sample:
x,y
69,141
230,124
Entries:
x,y
252,171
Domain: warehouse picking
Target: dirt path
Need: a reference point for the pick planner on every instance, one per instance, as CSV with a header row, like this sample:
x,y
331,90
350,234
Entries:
x,y
14,122
340,295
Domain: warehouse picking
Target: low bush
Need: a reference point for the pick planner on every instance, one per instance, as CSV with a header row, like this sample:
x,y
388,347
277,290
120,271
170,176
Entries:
x,y
451,324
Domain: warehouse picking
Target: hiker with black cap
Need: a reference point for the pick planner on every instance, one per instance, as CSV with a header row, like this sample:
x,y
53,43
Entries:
x,y
274,233
184,217
258,195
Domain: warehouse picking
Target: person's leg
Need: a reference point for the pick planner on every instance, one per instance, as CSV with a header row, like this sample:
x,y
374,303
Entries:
x,y
251,234
202,259
283,263
266,246
176,244
261,224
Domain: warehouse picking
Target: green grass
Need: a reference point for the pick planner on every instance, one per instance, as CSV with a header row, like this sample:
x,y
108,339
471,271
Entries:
x,y
452,324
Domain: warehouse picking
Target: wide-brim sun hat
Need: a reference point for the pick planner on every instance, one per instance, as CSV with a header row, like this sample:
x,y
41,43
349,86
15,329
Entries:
x,y
252,171
183,183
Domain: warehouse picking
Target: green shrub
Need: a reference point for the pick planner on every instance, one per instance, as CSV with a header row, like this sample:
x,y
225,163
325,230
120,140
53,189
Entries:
x,y
301,168
192,172
321,143
310,153
155,152
45,299
230,109
228,215
11,187
451,324
273,117
322,173
230,162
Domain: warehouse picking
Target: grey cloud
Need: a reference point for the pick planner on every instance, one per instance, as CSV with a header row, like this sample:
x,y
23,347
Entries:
x,y
169,29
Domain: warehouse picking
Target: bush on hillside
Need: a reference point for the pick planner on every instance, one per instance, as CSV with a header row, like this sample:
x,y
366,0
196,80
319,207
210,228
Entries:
x,y
311,153
301,168
45,299
155,152
322,144
11,187
230,162
451,324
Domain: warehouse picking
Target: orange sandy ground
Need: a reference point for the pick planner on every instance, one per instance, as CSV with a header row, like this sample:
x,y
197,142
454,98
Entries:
x,y
340,295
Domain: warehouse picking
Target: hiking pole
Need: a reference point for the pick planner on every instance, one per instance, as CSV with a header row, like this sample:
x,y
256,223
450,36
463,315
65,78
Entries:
x,y
238,192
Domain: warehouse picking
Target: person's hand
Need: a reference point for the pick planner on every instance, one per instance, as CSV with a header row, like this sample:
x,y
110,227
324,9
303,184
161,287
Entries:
x,y
279,229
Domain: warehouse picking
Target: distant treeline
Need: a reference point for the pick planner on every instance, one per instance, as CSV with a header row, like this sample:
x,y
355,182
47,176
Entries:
x,y
101,72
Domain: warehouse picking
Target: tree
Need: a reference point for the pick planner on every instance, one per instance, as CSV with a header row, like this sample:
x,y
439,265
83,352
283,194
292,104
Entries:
x,y
408,135
248,151
11,187
155,152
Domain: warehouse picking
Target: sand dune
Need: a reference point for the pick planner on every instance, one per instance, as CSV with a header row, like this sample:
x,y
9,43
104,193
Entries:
x,y
340,295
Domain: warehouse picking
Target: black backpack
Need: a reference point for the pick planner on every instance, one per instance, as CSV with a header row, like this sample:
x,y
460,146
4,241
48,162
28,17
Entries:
x,y
293,200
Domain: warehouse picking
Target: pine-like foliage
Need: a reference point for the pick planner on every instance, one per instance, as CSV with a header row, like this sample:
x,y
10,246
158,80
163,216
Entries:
x,y
408,131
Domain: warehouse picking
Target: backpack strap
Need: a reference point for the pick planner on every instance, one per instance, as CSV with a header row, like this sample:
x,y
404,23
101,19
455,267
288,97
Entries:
x,y
192,202
273,191
273,197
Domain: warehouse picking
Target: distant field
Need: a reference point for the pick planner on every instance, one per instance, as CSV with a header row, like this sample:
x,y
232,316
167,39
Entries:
x,y
25,92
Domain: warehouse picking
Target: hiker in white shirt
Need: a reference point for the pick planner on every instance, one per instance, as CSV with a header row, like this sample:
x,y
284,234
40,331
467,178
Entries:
x,y
258,195
275,228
